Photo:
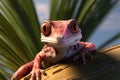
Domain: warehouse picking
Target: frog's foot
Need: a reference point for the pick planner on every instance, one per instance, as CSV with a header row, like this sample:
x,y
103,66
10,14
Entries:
x,y
35,74
83,55
86,53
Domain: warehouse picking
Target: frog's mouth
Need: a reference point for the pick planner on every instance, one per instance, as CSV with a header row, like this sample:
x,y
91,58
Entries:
x,y
60,41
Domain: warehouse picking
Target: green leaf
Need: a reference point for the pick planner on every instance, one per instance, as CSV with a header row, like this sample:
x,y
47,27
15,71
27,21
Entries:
x,y
93,15
53,9
25,9
2,77
19,35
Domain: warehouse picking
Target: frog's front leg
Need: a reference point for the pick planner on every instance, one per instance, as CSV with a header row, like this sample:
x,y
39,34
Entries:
x,y
33,69
22,71
86,51
36,70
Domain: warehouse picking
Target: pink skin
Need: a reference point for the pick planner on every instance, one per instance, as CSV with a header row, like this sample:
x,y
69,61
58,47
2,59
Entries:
x,y
60,28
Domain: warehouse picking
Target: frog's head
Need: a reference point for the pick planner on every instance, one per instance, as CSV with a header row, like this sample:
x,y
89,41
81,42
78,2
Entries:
x,y
60,32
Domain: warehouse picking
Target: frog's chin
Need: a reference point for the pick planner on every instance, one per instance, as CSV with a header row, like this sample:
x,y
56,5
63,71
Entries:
x,y
64,43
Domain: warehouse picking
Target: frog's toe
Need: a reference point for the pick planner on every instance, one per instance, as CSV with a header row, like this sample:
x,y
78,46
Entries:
x,y
35,74
27,77
83,56
33,77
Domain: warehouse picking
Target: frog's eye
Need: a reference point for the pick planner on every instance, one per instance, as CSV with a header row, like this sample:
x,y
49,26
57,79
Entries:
x,y
73,27
46,29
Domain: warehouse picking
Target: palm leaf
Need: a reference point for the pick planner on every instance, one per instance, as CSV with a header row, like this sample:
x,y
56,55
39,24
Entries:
x,y
2,77
19,35
26,11
94,16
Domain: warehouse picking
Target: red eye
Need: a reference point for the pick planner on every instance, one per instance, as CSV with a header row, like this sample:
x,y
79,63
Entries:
x,y
46,29
74,27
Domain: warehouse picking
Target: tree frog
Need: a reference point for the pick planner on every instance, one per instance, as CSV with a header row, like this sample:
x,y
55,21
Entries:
x,y
61,40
